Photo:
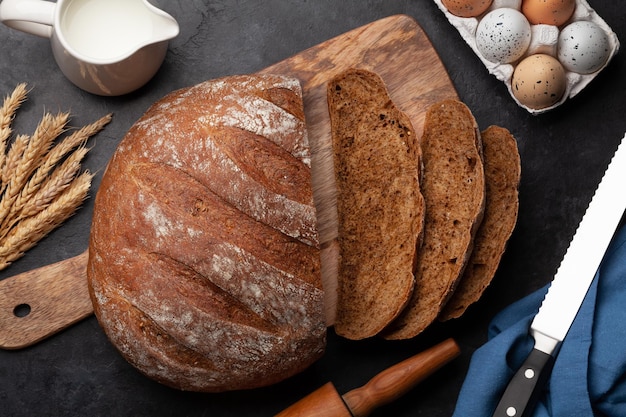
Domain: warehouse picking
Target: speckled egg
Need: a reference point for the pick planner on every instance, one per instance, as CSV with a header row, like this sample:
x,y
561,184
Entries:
x,y
583,47
548,12
539,81
467,8
503,35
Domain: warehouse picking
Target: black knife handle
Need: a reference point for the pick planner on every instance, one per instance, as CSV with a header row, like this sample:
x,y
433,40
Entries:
x,y
522,393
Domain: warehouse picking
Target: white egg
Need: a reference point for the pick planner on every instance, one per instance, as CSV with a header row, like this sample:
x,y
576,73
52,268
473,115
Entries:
x,y
503,35
583,47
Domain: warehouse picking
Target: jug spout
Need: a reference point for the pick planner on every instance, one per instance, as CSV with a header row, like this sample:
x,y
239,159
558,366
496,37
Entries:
x,y
165,27
166,31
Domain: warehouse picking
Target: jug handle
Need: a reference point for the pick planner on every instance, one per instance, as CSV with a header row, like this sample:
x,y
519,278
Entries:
x,y
31,16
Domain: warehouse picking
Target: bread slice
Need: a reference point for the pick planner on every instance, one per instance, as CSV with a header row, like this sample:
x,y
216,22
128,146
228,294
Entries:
x,y
453,186
502,177
380,207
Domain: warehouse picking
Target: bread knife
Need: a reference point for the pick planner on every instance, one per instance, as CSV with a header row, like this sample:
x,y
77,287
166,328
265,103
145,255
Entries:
x,y
568,290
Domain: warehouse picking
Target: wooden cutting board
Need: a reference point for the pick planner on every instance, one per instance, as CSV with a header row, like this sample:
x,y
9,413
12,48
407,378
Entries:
x,y
56,296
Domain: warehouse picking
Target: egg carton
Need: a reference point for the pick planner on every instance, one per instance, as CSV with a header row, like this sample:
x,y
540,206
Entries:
x,y
544,40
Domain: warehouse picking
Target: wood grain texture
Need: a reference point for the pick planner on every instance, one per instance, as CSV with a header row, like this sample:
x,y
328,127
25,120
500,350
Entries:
x,y
57,295
323,402
395,47
382,389
397,380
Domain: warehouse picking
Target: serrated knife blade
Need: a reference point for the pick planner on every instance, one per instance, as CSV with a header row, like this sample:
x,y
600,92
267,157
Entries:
x,y
568,289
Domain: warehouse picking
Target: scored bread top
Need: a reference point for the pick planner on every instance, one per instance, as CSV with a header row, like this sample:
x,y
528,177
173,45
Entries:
x,y
380,208
502,177
204,262
453,185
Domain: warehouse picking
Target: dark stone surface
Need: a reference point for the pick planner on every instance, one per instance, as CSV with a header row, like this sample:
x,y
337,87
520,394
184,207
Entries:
x,y
564,152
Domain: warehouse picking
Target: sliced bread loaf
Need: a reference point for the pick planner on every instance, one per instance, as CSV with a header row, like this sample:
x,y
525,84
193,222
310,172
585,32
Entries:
x,y
453,186
502,177
380,208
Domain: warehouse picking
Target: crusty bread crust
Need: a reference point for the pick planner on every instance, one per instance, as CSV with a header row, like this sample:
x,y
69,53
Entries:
x,y
453,185
502,177
204,261
380,208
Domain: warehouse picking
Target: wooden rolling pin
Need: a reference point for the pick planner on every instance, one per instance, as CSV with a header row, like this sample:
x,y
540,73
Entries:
x,y
384,388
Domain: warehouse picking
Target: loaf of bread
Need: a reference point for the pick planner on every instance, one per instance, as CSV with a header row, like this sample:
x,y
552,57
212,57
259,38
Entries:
x,y
502,177
453,186
379,204
204,261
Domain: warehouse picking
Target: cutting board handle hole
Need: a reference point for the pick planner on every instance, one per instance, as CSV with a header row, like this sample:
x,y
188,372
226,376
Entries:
x,y
21,310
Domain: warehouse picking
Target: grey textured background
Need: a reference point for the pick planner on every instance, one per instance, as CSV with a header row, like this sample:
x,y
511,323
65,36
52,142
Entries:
x,y
564,153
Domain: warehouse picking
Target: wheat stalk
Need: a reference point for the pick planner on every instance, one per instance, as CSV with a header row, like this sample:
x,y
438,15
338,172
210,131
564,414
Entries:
x,y
40,181
7,113
12,159
31,230
77,138
43,186
30,202
38,145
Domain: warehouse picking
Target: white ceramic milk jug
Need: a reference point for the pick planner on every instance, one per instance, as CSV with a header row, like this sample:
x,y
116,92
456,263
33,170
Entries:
x,y
105,47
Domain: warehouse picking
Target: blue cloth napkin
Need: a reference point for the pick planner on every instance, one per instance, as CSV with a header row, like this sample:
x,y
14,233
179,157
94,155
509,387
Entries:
x,y
589,374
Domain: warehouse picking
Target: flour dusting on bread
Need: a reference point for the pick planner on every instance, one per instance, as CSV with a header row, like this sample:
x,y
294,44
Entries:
x,y
208,200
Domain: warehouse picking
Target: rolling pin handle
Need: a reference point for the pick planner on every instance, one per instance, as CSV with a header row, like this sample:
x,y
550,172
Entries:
x,y
394,382
385,387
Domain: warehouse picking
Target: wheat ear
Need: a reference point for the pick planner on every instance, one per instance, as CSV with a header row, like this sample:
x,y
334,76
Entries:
x,y
7,113
54,185
42,187
37,147
31,230
12,159
40,183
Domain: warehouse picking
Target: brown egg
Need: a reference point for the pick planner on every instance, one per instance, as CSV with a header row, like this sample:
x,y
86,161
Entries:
x,y
539,81
548,12
467,8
